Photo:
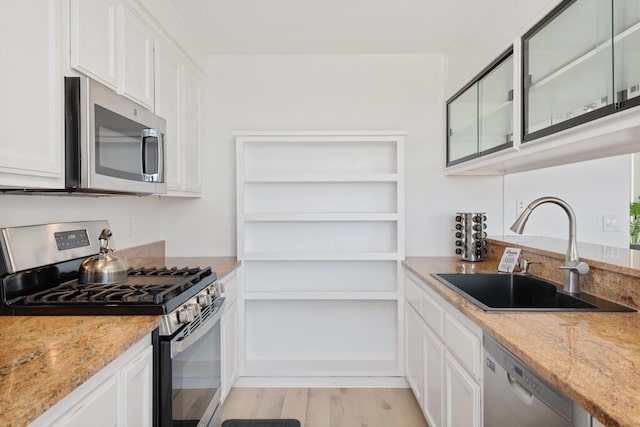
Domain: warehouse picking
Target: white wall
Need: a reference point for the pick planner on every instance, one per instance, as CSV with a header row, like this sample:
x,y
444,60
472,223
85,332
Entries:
x,y
593,189
330,92
133,220
491,33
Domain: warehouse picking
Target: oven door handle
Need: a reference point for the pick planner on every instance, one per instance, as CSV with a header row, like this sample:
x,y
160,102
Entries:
x,y
181,345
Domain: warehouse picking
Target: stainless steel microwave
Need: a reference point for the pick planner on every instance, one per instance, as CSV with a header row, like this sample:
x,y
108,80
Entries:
x,y
112,144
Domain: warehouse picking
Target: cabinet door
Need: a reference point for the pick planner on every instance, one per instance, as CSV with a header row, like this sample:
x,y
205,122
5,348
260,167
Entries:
x,y
168,82
137,396
229,331
93,38
136,50
413,356
433,366
99,408
462,396
495,108
626,37
462,124
192,134
568,63
31,115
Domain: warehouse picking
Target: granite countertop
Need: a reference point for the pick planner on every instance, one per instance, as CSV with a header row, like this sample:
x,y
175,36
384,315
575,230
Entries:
x,y
44,358
593,358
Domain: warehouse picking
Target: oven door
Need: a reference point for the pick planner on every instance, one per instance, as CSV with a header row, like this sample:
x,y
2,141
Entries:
x,y
190,374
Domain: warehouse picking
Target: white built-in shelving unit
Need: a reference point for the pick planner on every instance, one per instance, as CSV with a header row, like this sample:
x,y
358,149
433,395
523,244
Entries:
x,y
320,219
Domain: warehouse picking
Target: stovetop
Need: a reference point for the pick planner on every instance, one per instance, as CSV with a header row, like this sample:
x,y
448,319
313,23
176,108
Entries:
x,y
147,291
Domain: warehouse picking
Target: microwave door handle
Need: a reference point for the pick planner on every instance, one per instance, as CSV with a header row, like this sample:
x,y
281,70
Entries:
x,y
146,135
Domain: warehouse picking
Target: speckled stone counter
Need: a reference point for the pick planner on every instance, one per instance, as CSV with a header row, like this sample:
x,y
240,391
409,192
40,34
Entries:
x,y
44,358
593,358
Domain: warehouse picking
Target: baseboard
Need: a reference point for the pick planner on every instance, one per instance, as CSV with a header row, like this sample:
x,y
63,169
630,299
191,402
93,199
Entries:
x,y
323,382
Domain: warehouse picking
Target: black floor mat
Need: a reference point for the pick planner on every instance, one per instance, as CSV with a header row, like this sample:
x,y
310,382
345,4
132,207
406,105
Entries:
x,y
261,423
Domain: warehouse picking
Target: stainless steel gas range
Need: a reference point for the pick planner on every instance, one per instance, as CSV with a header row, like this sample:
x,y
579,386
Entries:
x,y
39,273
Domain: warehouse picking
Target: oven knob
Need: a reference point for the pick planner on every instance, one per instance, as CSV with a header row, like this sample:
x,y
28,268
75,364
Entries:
x,y
214,292
204,300
185,314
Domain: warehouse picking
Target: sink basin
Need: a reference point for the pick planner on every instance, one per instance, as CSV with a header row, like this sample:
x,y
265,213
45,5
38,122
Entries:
x,y
514,292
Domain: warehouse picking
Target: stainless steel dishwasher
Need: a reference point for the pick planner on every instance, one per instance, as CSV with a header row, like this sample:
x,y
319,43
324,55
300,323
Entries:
x,y
515,396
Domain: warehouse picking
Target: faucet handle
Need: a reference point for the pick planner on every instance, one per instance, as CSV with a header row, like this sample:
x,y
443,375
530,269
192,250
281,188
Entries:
x,y
578,267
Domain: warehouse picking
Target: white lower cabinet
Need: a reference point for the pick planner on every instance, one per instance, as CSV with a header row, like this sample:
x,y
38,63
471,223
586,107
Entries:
x,y
229,328
462,396
433,400
413,355
98,408
118,395
450,351
136,390
229,333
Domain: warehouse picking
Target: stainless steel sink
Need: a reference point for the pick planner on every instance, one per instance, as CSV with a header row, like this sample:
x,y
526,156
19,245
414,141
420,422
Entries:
x,y
514,292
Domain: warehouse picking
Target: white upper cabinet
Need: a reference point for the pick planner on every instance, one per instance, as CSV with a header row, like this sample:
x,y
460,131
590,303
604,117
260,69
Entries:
x,y
134,57
94,39
31,116
112,44
169,85
136,80
192,119
178,93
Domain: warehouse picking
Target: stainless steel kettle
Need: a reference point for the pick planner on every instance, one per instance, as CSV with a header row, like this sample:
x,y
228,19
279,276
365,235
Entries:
x,y
105,267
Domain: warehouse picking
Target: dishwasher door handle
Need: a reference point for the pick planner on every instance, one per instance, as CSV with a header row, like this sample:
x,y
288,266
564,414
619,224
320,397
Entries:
x,y
525,395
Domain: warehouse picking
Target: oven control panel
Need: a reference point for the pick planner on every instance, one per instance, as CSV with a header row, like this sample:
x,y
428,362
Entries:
x,y
71,239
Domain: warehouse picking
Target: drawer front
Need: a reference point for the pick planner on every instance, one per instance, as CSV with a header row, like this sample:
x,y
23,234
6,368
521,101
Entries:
x,y
433,314
413,294
463,343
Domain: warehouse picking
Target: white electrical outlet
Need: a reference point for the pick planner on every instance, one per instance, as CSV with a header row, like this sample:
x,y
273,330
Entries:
x,y
610,223
519,207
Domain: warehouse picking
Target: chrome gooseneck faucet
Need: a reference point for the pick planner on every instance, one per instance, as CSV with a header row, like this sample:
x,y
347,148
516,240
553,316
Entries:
x,y
572,265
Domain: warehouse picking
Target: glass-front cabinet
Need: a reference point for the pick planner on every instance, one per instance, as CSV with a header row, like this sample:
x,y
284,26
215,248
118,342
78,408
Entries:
x,y
495,108
480,116
462,117
580,63
626,51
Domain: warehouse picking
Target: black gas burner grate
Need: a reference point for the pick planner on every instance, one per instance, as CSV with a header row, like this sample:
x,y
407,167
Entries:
x,y
154,286
165,271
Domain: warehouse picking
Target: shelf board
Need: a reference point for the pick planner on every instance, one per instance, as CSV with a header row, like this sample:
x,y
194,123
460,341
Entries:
x,y
491,113
320,256
584,58
304,178
261,367
329,216
331,295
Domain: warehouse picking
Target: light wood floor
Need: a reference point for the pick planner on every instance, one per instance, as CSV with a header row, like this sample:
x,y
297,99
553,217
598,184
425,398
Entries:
x,y
327,407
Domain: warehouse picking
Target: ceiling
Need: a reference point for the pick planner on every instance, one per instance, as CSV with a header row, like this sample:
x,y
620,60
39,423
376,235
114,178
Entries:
x,y
328,26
